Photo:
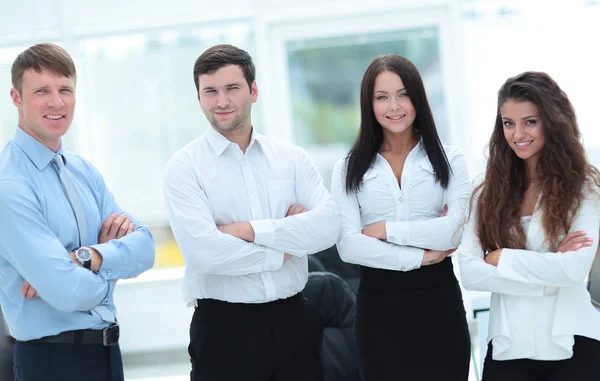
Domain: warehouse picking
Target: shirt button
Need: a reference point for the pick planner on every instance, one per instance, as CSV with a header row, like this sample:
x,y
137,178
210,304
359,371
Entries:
x,y
403,268
400,199
404,241
392,238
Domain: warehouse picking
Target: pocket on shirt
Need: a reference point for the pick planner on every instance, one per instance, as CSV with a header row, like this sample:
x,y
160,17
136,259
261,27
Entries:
x,y
282,195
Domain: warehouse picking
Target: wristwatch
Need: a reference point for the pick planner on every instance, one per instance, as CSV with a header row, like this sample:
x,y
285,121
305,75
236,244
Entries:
x,y
84,256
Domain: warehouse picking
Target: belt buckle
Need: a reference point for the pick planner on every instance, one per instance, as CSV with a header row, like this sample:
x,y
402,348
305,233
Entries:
x,y
110,335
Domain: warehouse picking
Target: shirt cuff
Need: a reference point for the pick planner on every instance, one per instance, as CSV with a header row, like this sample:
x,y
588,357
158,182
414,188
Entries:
x,y
111,259
264,232
416,262
273,260
397,232
505,265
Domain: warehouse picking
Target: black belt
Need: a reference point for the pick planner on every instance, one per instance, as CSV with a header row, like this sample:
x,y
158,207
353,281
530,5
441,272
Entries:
x,y
108,336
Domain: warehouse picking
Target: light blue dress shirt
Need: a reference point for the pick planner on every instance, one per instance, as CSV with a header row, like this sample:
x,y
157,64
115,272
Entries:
x,y
38,231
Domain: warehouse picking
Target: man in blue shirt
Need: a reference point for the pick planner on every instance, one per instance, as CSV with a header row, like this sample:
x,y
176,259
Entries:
x,y
64,242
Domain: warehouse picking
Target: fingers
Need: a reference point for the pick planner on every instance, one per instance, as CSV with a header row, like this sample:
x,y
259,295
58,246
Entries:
x,y
448,252
287,256
24,288
108,223
444,211
116,226
295,209
28,291
124,228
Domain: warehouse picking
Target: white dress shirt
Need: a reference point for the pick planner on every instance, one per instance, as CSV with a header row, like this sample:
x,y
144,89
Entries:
x,y
411,212
539,298
211,182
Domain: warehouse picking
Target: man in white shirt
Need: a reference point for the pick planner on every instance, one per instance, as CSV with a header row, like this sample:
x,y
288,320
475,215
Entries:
x,y
246,211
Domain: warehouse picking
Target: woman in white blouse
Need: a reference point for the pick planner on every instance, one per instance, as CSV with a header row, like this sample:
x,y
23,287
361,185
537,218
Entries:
x,y
402,197
532,236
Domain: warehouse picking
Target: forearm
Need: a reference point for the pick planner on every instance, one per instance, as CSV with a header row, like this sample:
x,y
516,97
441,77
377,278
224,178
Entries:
x,y
360,249
301,234
129,256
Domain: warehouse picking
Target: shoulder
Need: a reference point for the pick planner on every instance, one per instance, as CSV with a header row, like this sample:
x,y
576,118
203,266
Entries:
x,y
451,152
186,154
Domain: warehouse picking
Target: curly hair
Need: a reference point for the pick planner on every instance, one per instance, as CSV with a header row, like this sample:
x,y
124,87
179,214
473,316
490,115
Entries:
x,y
563,171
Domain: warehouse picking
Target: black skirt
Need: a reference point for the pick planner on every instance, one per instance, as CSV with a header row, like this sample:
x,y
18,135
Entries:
x,y
412,325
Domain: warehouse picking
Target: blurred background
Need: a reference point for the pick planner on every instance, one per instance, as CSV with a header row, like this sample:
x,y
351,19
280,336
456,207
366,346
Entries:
x,y
137,103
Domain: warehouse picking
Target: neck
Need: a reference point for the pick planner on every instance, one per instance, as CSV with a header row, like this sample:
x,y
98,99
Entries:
x,y
531,165
401,142
52,144
241,137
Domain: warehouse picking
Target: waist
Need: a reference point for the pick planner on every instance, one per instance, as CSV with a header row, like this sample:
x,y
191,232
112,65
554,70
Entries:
x,y
374,280
107,337
219,306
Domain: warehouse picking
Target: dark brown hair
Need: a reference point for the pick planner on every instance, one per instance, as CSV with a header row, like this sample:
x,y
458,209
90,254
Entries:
x,y
41,57
563,171
218,56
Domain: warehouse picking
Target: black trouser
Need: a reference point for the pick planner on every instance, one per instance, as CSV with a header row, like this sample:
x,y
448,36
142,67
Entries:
x,y
412,325
275,341
67,362
583,366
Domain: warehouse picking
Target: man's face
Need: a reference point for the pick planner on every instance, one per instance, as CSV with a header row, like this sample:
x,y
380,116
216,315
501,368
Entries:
x,y
46,105
226,100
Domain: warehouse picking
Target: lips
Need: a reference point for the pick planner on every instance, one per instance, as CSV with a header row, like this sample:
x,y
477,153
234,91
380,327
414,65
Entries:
x,y
524,144
396,118
54,117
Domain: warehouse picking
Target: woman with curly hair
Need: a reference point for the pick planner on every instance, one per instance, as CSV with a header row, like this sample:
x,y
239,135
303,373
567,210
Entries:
x,y
531,238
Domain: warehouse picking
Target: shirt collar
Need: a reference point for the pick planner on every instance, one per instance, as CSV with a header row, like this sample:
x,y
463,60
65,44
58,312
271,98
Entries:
x,y
39,154
219,143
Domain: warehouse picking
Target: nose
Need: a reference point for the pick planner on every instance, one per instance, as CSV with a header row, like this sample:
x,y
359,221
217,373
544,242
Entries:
x,y
222,100
394,104
519,131
55,100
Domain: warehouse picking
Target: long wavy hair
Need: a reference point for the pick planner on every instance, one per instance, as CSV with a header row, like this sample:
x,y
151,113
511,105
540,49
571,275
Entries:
x,y
370,135
562,169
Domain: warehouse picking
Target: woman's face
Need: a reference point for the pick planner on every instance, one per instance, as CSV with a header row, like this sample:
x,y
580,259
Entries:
x,y
391,104
523,129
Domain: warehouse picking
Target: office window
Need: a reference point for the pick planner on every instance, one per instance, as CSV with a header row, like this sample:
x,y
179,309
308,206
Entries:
x,y
325,76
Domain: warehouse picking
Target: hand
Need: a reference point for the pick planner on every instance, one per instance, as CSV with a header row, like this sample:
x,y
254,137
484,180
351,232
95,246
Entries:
x,y
492,258
116,226
242,230
433,257
295,209
574,241
28,291
376,230
287,256
444,211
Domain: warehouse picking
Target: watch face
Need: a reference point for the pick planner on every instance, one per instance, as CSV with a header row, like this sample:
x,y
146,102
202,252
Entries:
x,y
84,255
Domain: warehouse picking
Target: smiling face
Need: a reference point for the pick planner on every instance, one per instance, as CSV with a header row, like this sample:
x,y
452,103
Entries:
x,y
226,100
523,129
46,105
392,106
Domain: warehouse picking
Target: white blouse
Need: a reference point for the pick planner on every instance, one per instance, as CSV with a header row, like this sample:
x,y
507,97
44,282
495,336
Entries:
x,y
539,298
411,211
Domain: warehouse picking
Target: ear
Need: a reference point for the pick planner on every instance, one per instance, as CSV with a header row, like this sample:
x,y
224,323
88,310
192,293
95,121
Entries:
x,y
254,91
16,98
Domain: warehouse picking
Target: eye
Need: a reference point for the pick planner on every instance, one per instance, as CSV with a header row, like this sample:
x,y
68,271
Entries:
x,y
233,88
402,95
507,123
381,97
209,91
66,91
531,122
41,91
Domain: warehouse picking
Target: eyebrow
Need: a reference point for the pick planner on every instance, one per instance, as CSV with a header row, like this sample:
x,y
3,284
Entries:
x,y
385,92
526,117
227,85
